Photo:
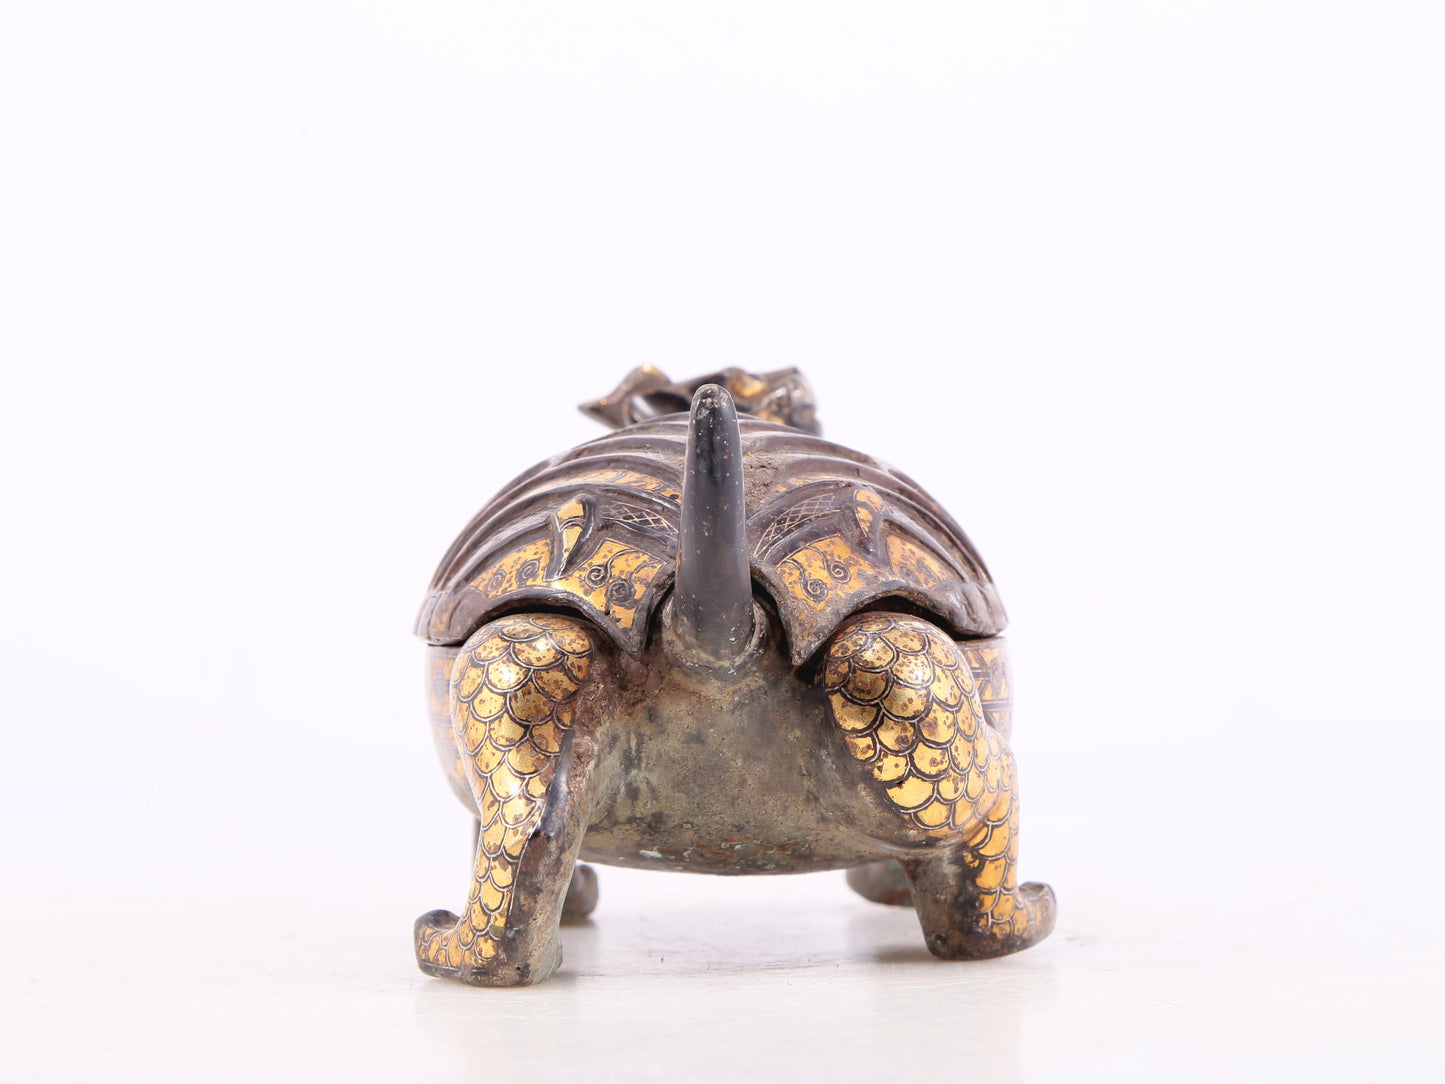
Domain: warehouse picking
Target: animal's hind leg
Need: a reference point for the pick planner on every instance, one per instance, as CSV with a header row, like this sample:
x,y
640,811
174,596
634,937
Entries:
x,y
902,695
527,732
886,882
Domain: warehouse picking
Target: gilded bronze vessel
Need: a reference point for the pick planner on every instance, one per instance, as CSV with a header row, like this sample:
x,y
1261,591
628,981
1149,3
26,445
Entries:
x,y
711,641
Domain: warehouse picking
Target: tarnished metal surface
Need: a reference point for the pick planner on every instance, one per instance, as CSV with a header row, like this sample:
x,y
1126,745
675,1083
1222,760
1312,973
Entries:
x,y
829,531
598,690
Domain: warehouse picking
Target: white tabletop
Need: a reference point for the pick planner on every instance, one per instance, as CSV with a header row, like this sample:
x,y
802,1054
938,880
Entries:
x,y
1187,962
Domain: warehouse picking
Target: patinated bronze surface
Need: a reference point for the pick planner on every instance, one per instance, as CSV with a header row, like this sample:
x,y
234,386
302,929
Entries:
x,y
715,642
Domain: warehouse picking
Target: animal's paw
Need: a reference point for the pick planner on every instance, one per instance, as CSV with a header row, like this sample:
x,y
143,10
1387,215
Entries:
x,y
451,948
1035,901
1014,921
439,949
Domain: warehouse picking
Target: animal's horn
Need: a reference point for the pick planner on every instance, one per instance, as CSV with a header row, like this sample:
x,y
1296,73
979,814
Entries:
x,y
713,596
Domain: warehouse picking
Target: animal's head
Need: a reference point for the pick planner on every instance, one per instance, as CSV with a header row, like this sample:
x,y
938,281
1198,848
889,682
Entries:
x,y
783,396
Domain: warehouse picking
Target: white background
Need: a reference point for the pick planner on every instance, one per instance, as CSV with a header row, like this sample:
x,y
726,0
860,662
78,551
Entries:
x,y
1148,294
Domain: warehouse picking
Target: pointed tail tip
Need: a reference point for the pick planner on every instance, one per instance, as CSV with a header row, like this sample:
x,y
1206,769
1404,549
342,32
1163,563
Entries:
x,y
714,455
713,400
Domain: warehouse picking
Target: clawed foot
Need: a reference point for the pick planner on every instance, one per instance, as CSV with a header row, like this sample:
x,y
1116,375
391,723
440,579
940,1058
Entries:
x,y
450,948
1015,921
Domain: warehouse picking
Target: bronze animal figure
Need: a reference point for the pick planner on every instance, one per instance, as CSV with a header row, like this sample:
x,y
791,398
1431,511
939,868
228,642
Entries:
x,y
712,641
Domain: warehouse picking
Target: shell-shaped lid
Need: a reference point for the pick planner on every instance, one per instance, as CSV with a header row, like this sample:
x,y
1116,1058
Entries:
x,y
595,529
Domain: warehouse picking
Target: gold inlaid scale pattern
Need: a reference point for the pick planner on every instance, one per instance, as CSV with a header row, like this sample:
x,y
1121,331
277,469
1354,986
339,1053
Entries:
x,y
904,697
514,691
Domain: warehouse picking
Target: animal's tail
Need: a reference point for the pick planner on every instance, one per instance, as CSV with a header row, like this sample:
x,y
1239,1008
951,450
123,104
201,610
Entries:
x,y
713,595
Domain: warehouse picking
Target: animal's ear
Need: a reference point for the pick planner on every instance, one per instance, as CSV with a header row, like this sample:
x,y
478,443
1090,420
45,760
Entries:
x,y
644,393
